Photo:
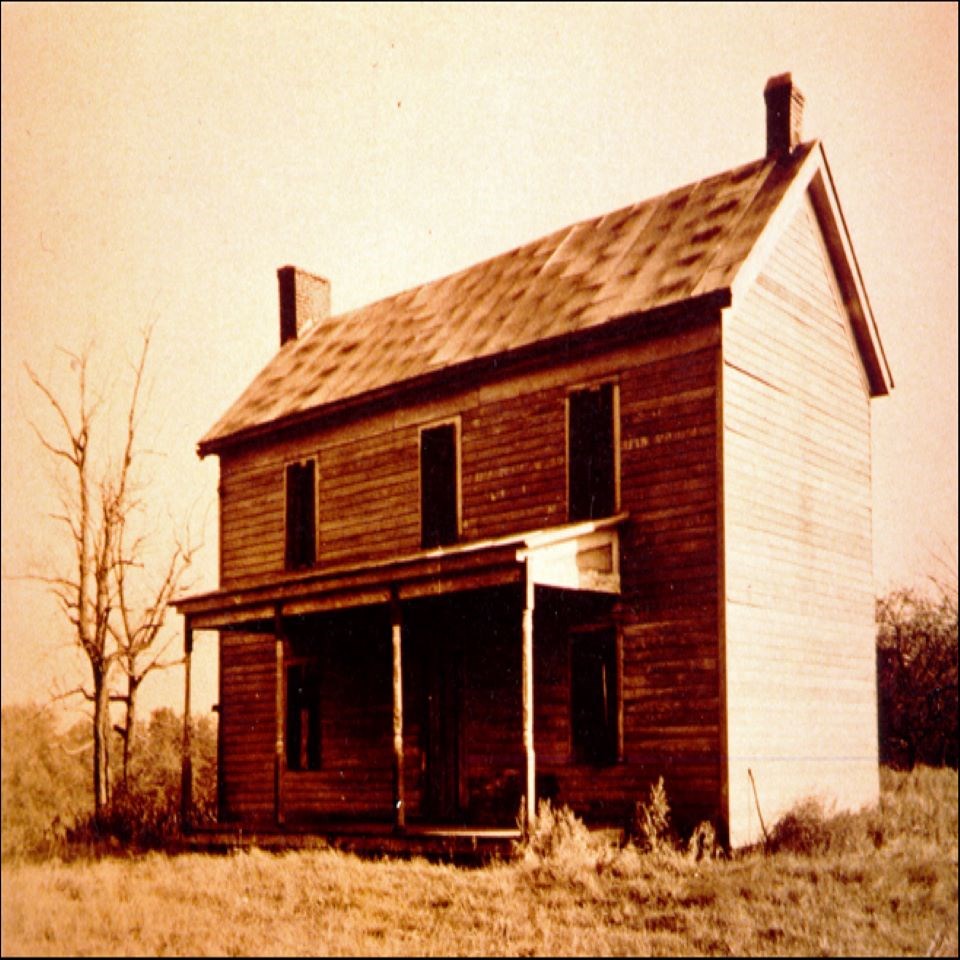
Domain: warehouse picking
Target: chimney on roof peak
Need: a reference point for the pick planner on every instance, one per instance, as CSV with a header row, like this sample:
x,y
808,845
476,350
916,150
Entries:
x,y
784,115
304,301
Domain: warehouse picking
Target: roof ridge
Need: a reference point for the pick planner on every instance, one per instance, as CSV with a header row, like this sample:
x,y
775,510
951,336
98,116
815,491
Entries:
x,y
565,229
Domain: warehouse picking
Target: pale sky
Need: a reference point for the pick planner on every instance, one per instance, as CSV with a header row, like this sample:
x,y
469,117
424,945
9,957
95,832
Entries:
x,y
161,161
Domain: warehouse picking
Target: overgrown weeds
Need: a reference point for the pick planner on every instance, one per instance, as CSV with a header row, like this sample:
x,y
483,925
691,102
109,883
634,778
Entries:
x,y
560,847
139,818
651,821
573,891
808,829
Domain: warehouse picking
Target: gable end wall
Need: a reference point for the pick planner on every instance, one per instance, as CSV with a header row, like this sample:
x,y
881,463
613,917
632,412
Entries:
x,y
799,647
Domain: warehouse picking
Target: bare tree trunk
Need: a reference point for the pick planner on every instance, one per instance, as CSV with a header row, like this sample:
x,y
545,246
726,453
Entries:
x,y
130,709
101,733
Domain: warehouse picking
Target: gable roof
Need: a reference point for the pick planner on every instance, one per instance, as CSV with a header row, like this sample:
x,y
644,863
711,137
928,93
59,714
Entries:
x,y
683,245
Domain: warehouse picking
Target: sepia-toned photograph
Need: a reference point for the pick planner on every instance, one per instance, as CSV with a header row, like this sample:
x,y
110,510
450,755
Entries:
x,y
479,479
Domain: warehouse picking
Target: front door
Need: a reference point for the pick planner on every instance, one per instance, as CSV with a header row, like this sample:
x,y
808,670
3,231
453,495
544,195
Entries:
x,y
444,701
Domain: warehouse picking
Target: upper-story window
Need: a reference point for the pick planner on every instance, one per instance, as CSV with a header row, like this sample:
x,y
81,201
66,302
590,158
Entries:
x,y
591,452
301,515
439,485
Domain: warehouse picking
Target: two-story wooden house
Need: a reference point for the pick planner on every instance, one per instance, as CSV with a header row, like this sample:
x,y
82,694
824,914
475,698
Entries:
x,y
591,512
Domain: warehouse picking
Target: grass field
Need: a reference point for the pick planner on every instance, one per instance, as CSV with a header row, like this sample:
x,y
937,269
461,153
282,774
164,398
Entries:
x,y
881,883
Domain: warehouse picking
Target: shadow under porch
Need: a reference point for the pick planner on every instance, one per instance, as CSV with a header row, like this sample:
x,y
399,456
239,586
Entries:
x,y
406,696
462,713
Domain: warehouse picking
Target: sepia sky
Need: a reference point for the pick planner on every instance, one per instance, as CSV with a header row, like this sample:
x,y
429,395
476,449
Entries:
x,y
161,161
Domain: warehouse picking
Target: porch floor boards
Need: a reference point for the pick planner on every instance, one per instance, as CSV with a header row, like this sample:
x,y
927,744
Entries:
x,y
446,842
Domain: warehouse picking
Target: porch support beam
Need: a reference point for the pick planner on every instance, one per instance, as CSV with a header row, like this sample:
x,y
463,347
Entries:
x,y
396,632
186,767
279,634
530,760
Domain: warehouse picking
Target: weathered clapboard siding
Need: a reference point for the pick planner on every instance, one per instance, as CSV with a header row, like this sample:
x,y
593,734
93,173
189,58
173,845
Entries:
x,y
514,464
797,541
670,580
513,459
662,736
355,775
513,477
247,726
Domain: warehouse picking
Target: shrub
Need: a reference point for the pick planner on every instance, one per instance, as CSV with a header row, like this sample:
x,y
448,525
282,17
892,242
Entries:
x,y
651,821
46,781
702,844
801,830
146,812
561,847
808,829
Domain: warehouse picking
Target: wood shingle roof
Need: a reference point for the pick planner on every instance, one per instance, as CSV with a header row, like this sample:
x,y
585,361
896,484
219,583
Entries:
x,y
681,245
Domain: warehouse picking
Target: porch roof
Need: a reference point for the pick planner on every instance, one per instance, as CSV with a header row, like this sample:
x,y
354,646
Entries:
x,y
572,556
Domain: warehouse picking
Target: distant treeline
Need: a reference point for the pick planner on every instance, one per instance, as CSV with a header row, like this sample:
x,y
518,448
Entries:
x,y
917,678
46,792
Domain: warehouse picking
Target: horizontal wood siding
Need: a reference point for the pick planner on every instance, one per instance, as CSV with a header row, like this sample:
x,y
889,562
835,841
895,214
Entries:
x,y
355,778
513,462
513,476
247,712
801,692
668,611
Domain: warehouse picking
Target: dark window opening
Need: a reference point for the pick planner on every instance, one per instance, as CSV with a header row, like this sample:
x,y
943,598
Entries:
x,y
301,515
438,485
592,460
303,716
594,697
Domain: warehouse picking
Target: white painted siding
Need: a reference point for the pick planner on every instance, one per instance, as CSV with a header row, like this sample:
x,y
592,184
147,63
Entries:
x,y
800,662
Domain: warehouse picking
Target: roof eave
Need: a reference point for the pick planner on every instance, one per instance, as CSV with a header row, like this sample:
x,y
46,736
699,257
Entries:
x,y
823,192
814,179
697,305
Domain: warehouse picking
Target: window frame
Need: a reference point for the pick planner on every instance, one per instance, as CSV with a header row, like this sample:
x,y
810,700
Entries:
x,y
580,752
299,463
614,384
458,479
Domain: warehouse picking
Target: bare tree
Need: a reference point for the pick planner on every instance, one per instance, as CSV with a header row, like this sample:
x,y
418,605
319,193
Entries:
x,y
98,503
140,651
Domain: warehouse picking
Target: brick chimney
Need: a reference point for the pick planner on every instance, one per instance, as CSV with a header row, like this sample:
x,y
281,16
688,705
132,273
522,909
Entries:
x,y
304,301
784,115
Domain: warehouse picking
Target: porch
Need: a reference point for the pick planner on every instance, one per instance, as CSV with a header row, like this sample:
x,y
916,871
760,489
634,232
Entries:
x,y
402,694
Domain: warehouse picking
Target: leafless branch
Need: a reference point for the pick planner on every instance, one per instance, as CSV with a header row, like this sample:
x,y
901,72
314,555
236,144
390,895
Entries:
x,y
74,692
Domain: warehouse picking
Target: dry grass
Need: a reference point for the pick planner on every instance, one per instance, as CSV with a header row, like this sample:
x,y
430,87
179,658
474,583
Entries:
x,y
883,883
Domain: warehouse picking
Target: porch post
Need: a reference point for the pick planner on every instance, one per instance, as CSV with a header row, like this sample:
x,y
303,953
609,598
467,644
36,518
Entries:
x,y
530,760
396,631
186,768
278,740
